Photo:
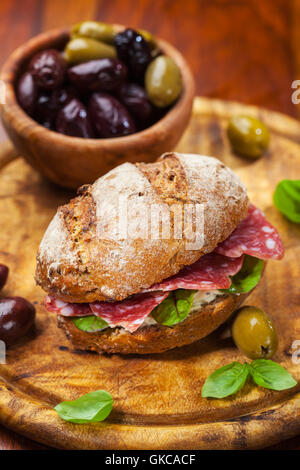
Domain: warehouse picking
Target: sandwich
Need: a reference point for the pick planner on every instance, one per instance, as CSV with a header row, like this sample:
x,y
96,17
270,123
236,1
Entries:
x,y
153,256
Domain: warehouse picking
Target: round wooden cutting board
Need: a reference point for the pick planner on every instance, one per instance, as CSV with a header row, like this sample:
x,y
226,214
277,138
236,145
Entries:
x,y
157,399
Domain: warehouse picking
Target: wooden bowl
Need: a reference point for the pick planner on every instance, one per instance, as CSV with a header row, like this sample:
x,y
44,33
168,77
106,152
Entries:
x,y
71,161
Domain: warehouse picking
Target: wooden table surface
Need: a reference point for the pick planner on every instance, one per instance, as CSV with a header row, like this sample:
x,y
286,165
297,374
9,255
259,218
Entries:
x,y
245,50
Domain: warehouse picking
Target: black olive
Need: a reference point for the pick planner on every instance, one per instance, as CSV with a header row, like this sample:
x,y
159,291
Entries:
x,y
27,92
3,275
134,97
98,75
17,316
109,117
73,120
49,103
48,69
134,51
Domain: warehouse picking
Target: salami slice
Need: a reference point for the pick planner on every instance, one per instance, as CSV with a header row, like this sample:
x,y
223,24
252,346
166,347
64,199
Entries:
x,y
254,236
130,313
54,305
212,271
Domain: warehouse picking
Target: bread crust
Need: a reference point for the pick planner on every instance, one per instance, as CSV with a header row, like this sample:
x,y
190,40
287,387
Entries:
x,y
81,260
155,338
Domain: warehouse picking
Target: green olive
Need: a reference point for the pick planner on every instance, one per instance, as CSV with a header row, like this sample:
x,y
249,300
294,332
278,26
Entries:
x,y
83,49
248,136
254,333
163,81
148,37
95,30
152,42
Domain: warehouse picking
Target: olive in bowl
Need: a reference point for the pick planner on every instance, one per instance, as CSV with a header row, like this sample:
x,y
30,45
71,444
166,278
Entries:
x,y
3,275
72,161
48,69
105,61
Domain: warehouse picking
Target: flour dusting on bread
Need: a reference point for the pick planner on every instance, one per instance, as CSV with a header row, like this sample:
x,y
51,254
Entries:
x,y
124,184
217,188
95,263
120,257
56,248
205,173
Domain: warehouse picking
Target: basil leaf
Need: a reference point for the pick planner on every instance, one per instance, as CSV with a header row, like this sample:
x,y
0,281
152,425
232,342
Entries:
x,y
226,381
175,308
89,408
248,276
269,374
90,324
287,199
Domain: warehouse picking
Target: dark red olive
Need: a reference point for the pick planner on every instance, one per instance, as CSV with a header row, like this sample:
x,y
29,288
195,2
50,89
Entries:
x,y
109,117
98,75
27,92
49,103
135,99
134,51
3,275
16,318
48,69
73,120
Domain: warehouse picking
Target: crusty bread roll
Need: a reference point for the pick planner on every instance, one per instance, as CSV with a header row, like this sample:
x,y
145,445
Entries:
x,y
152,339
80,259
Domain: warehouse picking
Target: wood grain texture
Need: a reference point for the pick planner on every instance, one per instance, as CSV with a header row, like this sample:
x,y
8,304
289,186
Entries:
x,y
10,440
238,50
157,398
242,50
